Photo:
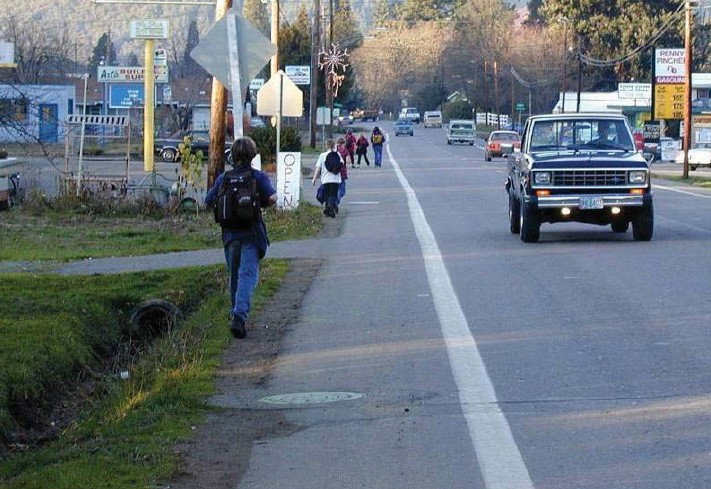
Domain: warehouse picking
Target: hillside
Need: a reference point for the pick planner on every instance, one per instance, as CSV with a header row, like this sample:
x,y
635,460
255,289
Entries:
x,y
87,21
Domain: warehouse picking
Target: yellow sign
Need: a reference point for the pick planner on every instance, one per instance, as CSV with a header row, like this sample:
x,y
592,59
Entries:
x,y
669,101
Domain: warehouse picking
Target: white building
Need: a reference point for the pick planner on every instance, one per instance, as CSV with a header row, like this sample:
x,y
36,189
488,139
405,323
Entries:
x,y
35,112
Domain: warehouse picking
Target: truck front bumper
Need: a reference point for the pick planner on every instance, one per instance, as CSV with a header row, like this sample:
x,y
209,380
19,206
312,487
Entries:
x,y
574,200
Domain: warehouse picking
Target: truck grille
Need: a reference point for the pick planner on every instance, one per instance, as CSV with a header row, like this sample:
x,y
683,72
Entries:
x,y
589,178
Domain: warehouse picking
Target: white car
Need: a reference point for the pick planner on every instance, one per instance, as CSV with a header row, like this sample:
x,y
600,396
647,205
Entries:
x,y
699,155
433,118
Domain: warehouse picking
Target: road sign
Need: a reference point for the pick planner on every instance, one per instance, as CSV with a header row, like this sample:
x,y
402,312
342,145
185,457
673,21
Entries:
x,y
292,99
256,84
213,54
634,91
300,75
520,106
669,101
7,54
149,29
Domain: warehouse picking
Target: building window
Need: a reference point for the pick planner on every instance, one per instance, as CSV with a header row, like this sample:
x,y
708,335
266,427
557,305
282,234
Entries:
x,y
14,109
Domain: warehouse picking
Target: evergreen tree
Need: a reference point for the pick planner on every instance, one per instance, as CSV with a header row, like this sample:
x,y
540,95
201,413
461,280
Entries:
x,y
189,67
257,13
534,15
417,10
610,30
103,47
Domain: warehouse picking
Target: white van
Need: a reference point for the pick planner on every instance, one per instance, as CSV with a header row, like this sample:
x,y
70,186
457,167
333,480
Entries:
x,y
433,118
461,131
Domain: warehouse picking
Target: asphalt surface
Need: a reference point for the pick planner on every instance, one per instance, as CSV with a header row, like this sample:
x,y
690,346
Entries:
x,y
435,349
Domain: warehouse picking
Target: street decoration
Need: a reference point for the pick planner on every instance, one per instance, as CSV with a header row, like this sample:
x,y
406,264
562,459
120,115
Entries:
x,y
331,62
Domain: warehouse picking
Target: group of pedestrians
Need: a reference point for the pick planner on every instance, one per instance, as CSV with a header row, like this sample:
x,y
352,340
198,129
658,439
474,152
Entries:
x,y
245,245
333,185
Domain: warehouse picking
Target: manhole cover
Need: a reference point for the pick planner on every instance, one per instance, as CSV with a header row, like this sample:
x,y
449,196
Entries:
x,y
311,397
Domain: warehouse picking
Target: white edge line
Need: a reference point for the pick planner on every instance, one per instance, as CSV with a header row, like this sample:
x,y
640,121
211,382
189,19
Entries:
x,y
679,191
499,458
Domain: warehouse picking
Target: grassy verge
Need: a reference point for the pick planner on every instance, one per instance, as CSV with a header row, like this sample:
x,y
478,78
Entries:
x,y
703,182
75,235
56,329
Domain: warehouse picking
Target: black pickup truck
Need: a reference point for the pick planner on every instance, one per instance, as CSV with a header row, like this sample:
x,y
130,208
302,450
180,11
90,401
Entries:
x,y
579,168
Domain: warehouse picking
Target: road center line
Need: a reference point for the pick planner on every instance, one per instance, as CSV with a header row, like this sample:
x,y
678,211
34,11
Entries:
x,y
499,458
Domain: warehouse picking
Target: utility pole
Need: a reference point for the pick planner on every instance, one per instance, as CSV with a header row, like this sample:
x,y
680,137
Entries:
x,y
565,62
580,73
688,47
329,90
218,109
496,93
313,95
275,36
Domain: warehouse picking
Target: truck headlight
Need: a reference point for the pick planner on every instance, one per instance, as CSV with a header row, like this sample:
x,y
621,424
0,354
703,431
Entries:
x,y
637,177
542,178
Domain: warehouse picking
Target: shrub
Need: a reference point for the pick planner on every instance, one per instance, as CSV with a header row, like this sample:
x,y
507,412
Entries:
x,y
457,109
265,137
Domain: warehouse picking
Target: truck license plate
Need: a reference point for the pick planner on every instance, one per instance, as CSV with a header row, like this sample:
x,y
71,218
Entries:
x,y
591,203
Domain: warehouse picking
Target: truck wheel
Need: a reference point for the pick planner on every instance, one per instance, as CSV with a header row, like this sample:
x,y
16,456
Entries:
x,y
449,141
643,224
620,226
514,214
530,228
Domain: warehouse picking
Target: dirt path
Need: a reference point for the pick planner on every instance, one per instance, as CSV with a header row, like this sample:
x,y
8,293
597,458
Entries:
x,y
218,453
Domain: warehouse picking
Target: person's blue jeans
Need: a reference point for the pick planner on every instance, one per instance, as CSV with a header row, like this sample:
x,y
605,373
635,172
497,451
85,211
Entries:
x,y
242,257
341,191
378,150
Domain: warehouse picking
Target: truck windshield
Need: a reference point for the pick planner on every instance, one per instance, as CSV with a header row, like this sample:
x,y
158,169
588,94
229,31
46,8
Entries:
x,y
593,134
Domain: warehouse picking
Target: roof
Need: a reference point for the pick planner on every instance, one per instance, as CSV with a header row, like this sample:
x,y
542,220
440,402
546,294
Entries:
x,y
579,115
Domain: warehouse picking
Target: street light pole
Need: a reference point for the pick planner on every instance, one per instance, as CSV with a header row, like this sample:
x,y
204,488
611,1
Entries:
x,y
85,76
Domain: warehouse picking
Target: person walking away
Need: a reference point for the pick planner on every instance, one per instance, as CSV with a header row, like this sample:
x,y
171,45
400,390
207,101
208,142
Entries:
x,y
350,146
237,197
377,139
329,180
362,149
341,147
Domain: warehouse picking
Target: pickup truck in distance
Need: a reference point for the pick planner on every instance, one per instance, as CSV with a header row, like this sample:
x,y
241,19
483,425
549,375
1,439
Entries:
x,y
366,114
579,168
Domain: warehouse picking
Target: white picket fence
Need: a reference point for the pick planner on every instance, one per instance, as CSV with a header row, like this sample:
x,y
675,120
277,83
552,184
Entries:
x,y
491,119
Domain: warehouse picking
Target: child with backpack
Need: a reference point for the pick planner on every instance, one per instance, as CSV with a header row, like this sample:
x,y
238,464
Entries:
x,y
328,167
362,149
350,147
377,138
237,197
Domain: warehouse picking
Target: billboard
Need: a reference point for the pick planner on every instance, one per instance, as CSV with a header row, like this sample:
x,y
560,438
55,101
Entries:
x,y
126,95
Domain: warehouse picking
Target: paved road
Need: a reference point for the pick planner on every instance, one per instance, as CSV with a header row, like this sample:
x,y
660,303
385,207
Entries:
x,y
435,349
474,360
